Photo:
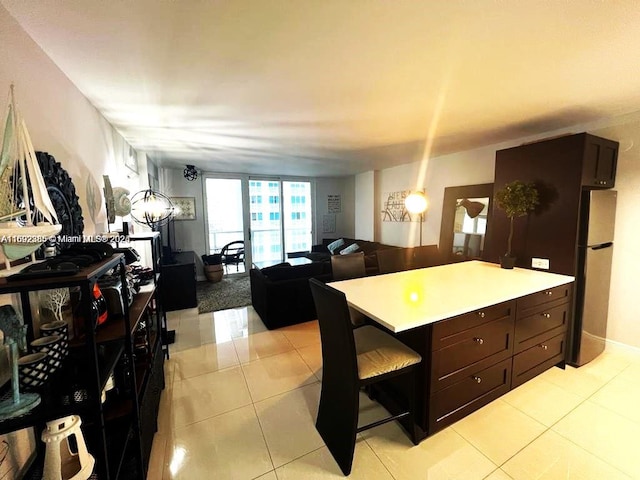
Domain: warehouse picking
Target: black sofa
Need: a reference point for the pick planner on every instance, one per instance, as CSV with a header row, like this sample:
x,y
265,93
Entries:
x,y
281,294
321,252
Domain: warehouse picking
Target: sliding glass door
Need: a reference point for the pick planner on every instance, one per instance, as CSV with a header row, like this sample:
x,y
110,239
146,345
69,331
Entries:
x,y
266,219
277,213
225,215
297,216
280,219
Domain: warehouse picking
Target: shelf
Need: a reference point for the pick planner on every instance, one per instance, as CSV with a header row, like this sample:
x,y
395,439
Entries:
x,y
117,408
136,310
89,273
112,429
114,328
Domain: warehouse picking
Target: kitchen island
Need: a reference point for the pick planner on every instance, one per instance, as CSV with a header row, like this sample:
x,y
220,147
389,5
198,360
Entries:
x,y
481,330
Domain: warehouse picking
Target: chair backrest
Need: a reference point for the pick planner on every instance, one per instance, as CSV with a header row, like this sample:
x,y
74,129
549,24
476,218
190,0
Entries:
x,y
426,256
393,259
233,250
339,361
348,266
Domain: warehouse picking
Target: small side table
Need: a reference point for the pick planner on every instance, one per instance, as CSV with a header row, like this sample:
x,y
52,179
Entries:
x,y
178,281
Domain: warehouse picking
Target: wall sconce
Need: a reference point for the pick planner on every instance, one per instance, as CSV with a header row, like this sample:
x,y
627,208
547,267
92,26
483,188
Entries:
x,y
473,208
416,202
190,173
151,208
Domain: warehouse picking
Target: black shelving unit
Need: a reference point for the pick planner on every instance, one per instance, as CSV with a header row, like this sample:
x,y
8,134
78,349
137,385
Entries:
x,y
117,433
155,242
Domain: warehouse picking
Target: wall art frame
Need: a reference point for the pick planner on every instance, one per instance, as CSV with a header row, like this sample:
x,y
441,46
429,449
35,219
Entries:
x,y
185,208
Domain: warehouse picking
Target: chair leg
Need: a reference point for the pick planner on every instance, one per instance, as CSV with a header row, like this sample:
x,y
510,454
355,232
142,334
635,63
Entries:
x,y
337,423
413,430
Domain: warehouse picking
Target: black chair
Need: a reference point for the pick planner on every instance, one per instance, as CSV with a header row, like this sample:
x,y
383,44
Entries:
x,y
392,260
426,256
345,267
233,254
352,359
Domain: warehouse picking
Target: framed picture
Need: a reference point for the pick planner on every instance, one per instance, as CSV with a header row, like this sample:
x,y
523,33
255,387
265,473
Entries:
x,y
185,208
130,158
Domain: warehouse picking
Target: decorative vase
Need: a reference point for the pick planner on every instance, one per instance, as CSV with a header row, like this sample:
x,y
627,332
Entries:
x,y
507,261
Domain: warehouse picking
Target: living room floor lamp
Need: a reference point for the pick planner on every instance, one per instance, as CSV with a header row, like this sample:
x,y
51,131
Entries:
x,y
416,202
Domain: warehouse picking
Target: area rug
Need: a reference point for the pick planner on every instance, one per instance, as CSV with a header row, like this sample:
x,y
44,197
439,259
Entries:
x,y
230,292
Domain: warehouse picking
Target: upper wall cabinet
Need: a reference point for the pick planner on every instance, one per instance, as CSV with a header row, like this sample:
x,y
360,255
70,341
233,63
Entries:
x,y
599,162
560,168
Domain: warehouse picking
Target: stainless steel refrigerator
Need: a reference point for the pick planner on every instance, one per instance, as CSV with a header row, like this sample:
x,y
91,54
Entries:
x,y
593,275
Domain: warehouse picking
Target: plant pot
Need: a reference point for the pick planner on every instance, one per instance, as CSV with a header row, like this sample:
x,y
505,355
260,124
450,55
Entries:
x,y
507,261
213,272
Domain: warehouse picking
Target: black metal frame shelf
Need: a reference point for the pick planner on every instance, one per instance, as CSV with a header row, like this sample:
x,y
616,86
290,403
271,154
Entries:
x,y
112,429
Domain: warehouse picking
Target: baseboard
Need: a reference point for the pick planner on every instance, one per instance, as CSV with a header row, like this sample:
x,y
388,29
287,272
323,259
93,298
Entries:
x,y
622,346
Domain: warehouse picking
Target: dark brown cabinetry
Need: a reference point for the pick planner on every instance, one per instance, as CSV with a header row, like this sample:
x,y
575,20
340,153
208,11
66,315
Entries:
x,y
600,162
542,320
470,362
561,168
472,359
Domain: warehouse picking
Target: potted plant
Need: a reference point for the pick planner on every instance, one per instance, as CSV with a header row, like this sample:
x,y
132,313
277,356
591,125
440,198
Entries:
x,y
517,199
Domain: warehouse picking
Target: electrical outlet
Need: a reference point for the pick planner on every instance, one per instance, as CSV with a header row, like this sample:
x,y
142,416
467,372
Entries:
x,y
542,263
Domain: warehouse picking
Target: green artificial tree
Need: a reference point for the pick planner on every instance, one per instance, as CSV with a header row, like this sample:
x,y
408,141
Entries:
x,y
517,199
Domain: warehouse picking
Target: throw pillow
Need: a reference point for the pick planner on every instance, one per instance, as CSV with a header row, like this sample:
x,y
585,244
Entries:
x,y
353,248
335,245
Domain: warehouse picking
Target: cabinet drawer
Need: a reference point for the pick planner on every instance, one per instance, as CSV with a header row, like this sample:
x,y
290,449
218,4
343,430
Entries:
x,y
537,359
483,345
545,296
472,392
447,332
543,323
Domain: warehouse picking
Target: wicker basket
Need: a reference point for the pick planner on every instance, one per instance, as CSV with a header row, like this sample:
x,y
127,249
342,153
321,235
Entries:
x,y
213,273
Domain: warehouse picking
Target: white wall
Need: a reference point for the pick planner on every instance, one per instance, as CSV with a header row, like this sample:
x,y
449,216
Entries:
x,y
63,123
186,235
365,207
345,187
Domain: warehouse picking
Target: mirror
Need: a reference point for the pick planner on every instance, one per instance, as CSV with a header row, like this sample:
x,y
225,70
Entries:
x,y
465,215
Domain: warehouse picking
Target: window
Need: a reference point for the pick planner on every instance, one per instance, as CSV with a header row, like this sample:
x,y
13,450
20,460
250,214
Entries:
x,y
274,215
256,199
273,199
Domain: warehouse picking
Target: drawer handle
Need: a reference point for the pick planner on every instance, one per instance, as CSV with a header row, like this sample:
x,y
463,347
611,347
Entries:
x,y
481,314
546,315
543,346
548,293
478,340
477,379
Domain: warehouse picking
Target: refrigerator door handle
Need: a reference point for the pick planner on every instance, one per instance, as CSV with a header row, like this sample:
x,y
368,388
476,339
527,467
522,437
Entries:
x,y
601,246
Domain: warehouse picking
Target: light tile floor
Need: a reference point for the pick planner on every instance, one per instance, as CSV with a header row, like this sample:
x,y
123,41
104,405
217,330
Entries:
x,y
240,403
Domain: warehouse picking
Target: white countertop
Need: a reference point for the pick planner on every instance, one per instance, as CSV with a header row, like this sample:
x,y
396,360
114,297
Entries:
x,y
413,298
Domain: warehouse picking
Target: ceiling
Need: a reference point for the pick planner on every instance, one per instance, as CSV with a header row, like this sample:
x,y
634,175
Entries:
x,y
334,87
